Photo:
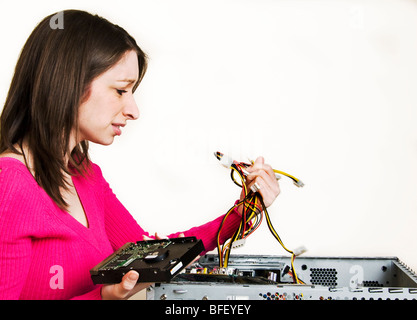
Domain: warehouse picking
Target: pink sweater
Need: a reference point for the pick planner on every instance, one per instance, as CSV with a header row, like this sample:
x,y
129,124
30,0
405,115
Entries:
x,y
46,254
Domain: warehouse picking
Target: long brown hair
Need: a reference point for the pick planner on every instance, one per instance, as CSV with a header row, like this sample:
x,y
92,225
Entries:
x,y
51,79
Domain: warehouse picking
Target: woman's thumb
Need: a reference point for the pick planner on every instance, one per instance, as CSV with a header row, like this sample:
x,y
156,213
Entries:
x,y
127,284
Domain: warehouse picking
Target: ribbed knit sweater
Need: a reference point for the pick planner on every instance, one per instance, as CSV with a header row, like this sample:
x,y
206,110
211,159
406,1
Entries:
x,y
46,254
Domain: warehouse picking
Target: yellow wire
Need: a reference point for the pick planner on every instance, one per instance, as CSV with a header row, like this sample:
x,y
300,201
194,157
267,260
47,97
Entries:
x,y
281,172
271,228
242,179
293,269
285,174
218,233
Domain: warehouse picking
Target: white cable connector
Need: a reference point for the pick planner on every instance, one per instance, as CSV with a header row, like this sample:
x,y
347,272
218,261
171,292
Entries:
x,y
238,243
299,183
300,250
225,161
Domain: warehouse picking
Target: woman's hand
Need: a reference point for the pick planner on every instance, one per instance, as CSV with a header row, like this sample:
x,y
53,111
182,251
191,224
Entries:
x,y
125,289
266,183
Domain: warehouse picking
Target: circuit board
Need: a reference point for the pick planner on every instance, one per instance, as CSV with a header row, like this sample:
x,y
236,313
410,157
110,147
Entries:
x,y
154,260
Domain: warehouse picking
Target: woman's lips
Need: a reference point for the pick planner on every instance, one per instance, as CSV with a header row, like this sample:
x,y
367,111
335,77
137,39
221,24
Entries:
x,y
116,128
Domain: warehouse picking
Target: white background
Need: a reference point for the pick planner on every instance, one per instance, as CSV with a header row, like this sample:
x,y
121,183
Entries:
x,y
324,90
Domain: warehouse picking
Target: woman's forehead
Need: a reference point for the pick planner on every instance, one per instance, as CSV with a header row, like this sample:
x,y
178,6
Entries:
x,y
126,70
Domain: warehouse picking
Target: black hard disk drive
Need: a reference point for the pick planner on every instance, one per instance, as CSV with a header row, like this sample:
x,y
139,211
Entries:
x,y
154,260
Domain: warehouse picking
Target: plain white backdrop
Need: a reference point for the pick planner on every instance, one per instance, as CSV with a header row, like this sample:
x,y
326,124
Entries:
x,y
324,90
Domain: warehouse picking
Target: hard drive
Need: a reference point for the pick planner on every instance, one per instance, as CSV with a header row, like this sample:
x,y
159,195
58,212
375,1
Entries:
x,y
155,260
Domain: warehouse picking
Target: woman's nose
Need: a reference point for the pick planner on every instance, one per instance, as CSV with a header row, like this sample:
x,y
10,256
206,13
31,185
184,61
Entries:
x,y
131,110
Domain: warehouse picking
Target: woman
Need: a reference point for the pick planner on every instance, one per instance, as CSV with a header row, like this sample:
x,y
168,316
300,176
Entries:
x,y
58,215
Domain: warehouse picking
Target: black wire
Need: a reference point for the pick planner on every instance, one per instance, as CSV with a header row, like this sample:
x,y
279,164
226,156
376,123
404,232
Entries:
x,y
232,172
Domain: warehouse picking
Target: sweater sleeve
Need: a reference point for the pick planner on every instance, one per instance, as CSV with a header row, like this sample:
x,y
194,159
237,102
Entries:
x,y
15,244
122,227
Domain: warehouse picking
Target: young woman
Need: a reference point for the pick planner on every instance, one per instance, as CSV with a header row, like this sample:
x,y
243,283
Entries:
x,y
58,215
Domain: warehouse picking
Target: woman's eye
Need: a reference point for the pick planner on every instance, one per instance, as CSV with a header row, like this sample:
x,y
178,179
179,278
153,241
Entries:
x,y
120,92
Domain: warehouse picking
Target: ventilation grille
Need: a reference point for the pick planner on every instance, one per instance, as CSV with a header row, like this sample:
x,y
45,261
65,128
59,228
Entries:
x,y
372,284
323,276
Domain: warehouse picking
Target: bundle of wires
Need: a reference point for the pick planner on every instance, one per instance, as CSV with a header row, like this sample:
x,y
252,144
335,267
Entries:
x,y
253,211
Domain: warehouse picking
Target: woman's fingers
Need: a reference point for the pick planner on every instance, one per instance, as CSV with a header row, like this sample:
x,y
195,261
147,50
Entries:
x,y
156,237
262,179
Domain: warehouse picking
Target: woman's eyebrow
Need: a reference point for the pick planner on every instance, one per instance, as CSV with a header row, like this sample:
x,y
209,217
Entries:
x,y
127,80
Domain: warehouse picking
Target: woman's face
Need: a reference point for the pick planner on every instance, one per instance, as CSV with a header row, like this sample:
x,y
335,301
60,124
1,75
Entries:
x,y
110,102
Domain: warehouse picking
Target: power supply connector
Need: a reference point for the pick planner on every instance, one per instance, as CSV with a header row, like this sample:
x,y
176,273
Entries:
x,y
238,243
228,163
299,251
